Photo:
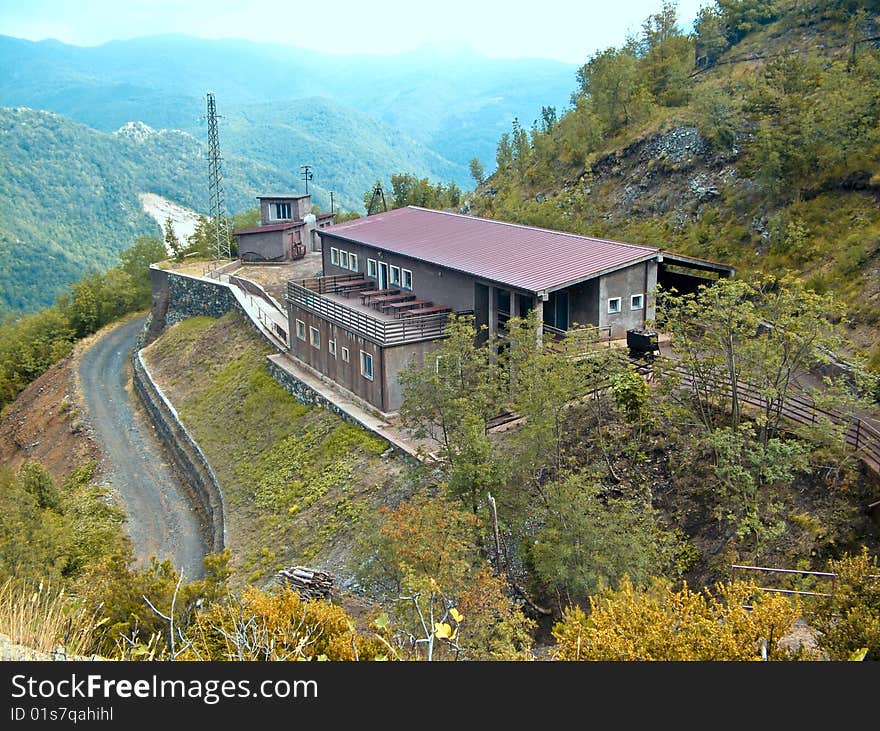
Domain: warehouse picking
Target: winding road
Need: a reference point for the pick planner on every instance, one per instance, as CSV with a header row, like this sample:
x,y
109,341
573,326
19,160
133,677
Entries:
x,y
161,519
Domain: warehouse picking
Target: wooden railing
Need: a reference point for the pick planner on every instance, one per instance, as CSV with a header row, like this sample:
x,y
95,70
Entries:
x,y
308,294
857,433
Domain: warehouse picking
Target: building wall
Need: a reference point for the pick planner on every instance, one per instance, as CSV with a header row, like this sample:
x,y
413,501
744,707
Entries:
x,y
299,207
398,359
441,286
583,303
636,279
269,246
348,375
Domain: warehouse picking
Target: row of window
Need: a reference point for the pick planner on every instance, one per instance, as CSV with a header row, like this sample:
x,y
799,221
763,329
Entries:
x,y
344,259
394,276
397,276
315,341
636,302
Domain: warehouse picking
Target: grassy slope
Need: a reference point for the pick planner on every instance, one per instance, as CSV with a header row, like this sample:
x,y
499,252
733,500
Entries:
x,y
296,479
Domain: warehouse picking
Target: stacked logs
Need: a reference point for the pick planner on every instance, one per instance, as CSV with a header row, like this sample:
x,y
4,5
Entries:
x,y
309,583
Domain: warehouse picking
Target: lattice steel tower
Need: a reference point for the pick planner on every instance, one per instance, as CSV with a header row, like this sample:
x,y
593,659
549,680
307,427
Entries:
x,y
222,248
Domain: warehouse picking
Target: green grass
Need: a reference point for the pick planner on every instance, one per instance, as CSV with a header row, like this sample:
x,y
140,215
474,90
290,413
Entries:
x,y
296,479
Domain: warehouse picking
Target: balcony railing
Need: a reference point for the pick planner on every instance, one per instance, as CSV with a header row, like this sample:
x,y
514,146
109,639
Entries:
x,y
309,295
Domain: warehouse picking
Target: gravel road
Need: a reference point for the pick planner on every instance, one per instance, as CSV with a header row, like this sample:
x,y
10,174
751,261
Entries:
x,y
161,519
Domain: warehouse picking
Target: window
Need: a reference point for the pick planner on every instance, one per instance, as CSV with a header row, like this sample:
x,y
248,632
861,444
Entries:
x,y
300,329
279,211
613,305
372,269
315,337
331,346
636,301
353,262
345,355
334,256
407,279
395,276
367,365
343,259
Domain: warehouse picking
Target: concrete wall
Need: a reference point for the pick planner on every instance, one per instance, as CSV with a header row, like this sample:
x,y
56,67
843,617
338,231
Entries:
x,y
396,360
583,303
197,476
299,207
268,246
636,279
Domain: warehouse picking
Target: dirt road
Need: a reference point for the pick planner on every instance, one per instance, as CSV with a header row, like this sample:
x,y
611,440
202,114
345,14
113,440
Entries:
x,y
161,520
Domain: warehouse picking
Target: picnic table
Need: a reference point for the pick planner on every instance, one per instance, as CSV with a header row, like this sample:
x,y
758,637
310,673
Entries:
x,y
398,307
370,294
386,298
425,311
346,288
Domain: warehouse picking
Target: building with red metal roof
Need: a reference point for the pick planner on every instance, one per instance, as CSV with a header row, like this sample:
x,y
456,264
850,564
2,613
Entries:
x,y
424,264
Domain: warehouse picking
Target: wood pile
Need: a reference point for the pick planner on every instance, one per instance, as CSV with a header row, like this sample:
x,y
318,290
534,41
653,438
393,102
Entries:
x,y
309,583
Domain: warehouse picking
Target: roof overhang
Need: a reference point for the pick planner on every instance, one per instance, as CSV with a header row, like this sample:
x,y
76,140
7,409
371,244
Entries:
x,y
692,262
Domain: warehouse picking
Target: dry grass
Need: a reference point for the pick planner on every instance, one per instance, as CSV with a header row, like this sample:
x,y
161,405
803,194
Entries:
x,y
40,618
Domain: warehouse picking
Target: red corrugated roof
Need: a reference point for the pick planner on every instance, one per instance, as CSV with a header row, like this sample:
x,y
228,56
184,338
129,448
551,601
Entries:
x,y
524,257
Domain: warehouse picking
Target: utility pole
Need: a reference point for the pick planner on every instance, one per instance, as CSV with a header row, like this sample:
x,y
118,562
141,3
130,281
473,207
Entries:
x,y
332,209
222,248
306,175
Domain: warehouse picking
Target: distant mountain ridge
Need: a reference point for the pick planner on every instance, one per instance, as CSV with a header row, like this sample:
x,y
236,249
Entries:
x,y
456,103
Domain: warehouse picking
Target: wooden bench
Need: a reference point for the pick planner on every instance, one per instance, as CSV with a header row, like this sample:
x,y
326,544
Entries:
x,y
425,311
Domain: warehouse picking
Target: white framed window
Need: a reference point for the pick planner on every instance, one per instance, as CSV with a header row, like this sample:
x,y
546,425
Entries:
x,y
300,329
613,305
343,259
279,211
406,282
331,347
636,301
367,365
345,354
315,337
395,276
372,268
353,262
334,256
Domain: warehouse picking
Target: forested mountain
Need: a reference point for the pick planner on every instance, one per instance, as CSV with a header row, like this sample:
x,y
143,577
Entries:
x,y
753,140
69,194
455,102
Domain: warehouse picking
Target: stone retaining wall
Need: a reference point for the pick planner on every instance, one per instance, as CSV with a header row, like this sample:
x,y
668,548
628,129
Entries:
x,y
197,476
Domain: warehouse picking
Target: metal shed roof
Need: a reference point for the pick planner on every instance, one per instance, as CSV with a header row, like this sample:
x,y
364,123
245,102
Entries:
x,y
522,257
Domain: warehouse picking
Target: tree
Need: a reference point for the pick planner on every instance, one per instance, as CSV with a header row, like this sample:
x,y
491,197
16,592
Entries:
x,y
172,243
424,552
710,30
449,396
588,540
849,620
744,16
477,171
613,82
659,623
667,56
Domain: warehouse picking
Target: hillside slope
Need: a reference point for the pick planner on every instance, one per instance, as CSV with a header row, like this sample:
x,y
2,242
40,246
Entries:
x,y
297,481
764,156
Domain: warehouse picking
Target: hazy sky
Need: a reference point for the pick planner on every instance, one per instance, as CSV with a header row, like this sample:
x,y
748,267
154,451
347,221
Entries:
x,y
567,30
